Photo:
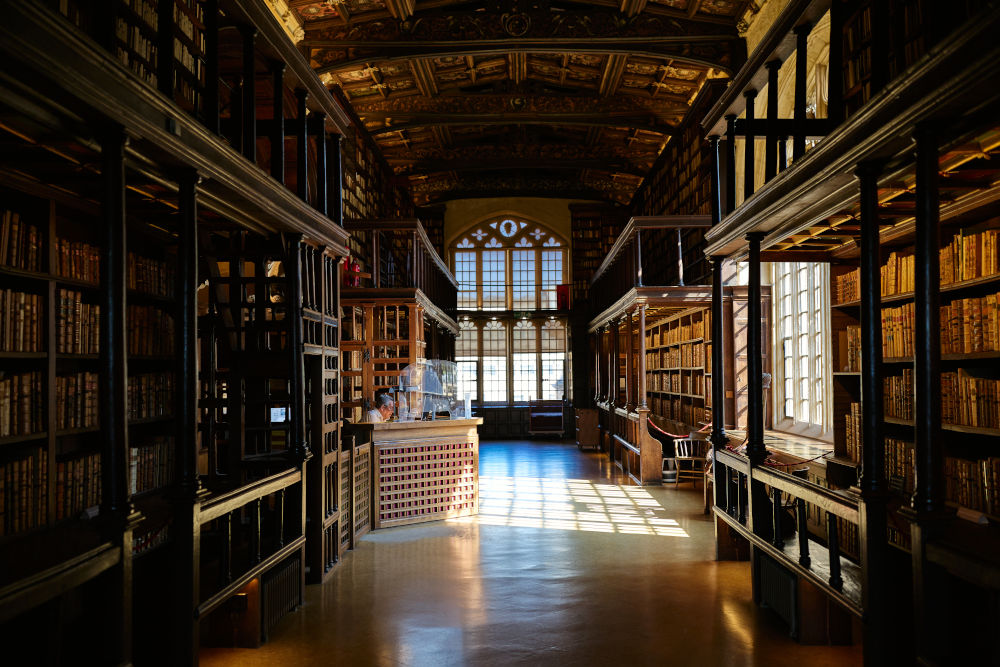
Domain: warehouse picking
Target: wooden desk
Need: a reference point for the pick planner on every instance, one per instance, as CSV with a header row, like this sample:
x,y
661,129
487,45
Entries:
x,y
424,471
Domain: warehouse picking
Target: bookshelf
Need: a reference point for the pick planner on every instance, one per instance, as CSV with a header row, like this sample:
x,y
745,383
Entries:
x,y
678,370
321,336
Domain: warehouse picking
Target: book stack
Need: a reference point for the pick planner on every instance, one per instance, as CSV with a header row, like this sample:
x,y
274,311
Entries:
x,y
78,324
151,464
898,395
149,276
151,540
21,404
899,466
969,257
973,484
897,274
76,401
853,348
847,287
150,331
897,331
78,260
971,325
23,495
853,432
20,243
970,401
21,317
78,485
150,396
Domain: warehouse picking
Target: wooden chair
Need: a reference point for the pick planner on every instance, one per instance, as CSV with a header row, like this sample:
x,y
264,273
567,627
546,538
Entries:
x,y
690,457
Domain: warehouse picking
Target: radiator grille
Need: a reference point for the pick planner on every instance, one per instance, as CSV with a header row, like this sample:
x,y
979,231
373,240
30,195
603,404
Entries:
x,y
778,591
281,590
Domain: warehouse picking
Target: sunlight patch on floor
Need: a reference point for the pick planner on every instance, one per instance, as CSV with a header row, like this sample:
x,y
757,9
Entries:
x,y
571,504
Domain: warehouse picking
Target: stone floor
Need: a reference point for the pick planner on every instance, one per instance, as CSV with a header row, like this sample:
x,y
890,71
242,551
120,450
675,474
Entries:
x,y
565,565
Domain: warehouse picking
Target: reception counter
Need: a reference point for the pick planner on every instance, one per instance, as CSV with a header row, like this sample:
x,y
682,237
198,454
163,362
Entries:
x,y
424,471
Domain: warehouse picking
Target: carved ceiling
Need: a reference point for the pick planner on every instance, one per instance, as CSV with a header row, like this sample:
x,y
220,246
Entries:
x,y
521,97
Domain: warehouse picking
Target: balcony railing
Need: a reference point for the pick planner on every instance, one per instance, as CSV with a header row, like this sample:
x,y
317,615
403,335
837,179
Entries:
x,y
650,252
398,254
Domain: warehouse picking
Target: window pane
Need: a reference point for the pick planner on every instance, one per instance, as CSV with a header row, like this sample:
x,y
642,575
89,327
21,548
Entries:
x,y
465,274
495,362
525,377
494,279
523,267
552,275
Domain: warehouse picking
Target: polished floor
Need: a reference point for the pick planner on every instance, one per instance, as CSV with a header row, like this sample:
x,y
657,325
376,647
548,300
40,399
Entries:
x,y
565,565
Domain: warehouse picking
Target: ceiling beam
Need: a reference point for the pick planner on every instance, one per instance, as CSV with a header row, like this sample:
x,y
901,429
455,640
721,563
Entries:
x,y
500,163
614,70
423,74
401,120
632,7
400,9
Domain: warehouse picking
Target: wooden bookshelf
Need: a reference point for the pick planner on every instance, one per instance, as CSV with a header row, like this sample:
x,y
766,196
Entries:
x,y
677,369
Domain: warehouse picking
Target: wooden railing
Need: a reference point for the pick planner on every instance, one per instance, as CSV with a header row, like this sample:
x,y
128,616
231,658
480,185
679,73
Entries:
x,y
751,499
626,438
399,254
648,252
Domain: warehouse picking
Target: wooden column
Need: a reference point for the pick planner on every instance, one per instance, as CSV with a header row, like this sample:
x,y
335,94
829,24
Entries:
x,y
873,521
601,376
642,358
755,380
801,64
302,145
928,495
188,492
165,64
835,68
319,129
629,364
211,13
730,163
336,178
749,155
771,142
249,33
293,274
615,383
719,440
278,121
116,512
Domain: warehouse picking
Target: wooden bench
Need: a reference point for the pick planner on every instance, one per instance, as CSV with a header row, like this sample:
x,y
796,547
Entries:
x,y
545,418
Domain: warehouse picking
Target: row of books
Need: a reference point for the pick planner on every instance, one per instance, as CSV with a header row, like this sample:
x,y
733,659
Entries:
x,y
78,260
899,466
670,335
21,404
973,484
971,325
966,257
150,276
897,395
21,317
897,330
78,485
77,401
151,464
24,492
78,324
150,395
852,438
150,331
970,401
20,243
150,540
851,345
965,400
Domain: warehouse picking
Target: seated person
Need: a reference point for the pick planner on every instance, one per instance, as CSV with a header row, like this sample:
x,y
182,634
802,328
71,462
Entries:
x,y
384,406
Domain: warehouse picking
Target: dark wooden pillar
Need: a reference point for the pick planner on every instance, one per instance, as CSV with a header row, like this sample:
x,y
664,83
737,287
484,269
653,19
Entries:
x,y
928,498
771,141
302,145
298,446
336,178
719,439
730,163
165,64
116,511
755,379
615,366
835,69
642,358
278,121
188,492
598,363
801,64
749,155
249,117
319,129
873,520
211,13
630,376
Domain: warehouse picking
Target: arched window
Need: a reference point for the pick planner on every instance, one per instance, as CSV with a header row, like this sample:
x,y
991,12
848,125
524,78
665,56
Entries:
x,y
508,264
